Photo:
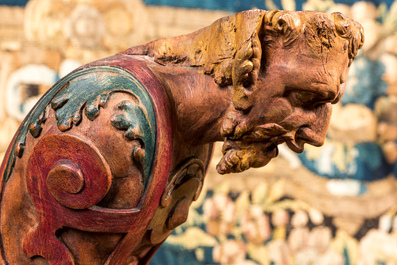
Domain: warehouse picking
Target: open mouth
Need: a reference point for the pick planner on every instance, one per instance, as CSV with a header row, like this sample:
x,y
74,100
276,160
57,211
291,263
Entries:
x,y
272,150
291,142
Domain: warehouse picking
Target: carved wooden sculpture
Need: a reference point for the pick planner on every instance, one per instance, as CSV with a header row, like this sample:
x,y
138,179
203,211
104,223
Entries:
x,y
108,162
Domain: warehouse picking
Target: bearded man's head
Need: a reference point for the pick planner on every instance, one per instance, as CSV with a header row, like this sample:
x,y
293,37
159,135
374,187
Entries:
x,y
304,60
284,70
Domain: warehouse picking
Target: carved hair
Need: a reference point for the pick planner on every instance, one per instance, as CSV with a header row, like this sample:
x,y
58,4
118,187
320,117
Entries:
x,y
320,30
230,49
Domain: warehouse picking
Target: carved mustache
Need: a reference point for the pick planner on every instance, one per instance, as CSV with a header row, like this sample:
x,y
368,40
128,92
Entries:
x,y
274,134
255,148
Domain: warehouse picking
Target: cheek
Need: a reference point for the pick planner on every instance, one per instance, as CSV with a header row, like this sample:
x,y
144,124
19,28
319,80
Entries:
x,y
315,132
316,120
323,117
276,110
319,120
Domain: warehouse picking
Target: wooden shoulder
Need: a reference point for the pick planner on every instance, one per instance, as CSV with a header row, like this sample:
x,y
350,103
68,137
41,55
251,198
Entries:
x,y
84,157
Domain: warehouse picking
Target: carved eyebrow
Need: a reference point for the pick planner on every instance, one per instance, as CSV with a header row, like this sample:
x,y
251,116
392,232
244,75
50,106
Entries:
x,y
322,90
316,82
322,74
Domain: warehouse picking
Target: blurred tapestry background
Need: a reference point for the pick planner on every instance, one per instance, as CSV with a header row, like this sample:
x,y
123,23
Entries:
x,y
334,205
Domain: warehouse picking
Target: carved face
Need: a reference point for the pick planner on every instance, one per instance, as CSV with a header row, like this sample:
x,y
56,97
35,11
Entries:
x,y
292,103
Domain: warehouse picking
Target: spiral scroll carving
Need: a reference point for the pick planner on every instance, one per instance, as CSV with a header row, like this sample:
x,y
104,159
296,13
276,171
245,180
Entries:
x,y
71,170
64,173
65,176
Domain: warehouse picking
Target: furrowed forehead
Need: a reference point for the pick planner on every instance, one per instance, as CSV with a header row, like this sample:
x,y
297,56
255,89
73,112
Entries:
x,y
283,28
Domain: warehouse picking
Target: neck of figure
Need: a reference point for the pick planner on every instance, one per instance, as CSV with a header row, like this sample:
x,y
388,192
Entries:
x,y
199,105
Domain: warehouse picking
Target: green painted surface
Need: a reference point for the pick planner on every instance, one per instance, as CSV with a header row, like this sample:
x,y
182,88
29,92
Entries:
x,y
84,93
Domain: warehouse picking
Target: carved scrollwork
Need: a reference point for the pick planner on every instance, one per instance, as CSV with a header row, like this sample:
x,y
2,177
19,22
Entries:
x,y
64,169
132,121
67,176
184,187
77,180
64,178
85,93
192,168
92,161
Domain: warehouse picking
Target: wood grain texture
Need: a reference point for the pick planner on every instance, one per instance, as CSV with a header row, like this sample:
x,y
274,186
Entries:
x,y
107,163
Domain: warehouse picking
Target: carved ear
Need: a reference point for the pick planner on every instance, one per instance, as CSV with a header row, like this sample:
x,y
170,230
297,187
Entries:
x,y
183,188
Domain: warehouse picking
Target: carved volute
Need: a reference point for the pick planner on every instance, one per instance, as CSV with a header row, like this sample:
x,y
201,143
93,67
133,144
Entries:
x,y
107,163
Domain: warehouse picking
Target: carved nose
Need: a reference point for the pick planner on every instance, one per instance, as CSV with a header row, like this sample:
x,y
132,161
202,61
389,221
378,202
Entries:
x,y
315,131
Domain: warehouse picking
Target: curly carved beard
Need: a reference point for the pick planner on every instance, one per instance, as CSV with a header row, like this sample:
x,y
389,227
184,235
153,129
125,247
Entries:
x,y
255,148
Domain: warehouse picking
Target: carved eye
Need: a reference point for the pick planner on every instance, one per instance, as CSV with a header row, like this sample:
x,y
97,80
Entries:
x,y
306,96
303,98
307,99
